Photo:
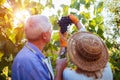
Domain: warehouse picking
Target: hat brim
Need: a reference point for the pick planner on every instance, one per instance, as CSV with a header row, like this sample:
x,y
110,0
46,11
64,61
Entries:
x,y
82,63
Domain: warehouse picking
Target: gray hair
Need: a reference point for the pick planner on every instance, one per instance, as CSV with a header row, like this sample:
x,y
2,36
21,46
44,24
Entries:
x,y
35,25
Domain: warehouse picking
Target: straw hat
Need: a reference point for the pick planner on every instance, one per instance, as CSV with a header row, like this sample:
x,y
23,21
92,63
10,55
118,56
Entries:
x,y
87,51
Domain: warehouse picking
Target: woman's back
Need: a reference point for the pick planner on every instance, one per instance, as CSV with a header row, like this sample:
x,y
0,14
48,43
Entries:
x,y
69,74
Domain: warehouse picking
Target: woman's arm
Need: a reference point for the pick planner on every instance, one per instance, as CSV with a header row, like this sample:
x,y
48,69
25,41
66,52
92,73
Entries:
x,y
76,21
60,66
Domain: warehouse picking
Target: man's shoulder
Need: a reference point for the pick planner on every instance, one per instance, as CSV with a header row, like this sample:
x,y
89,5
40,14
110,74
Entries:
x,y
25,56
26,60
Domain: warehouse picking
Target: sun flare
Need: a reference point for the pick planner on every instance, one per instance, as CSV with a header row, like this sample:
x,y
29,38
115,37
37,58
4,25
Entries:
x,y
20,17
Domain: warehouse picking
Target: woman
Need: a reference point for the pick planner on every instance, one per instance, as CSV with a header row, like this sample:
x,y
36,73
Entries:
x,y
89,54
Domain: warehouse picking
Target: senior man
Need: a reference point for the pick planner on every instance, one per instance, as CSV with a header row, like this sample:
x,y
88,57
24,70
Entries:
x,y
30,63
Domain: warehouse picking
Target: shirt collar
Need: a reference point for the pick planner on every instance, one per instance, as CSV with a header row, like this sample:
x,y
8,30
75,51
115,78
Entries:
x,y
34,49
39,54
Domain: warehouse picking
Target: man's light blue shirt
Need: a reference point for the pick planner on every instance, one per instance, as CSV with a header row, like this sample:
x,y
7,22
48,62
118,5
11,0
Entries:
x,y
29,65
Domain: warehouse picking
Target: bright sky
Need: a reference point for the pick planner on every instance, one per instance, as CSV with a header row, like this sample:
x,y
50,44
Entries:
x,y
56,4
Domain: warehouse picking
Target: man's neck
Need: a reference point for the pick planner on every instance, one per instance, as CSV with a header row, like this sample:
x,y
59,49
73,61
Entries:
x,y
39,44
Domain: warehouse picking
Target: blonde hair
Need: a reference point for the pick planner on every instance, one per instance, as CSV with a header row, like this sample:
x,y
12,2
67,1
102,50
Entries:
x,y
35,25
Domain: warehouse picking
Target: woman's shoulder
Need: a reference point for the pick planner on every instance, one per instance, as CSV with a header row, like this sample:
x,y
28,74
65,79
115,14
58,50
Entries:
x,y
70,74
107,72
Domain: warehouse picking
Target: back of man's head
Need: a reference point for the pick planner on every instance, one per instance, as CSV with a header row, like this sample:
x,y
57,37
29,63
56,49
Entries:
x,y
35,25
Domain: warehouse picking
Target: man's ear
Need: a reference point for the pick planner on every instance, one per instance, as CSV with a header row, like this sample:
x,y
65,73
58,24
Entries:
x,y
44,35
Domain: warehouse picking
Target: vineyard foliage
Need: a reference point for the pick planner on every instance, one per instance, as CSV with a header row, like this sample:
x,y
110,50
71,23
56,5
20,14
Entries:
x,y
90,12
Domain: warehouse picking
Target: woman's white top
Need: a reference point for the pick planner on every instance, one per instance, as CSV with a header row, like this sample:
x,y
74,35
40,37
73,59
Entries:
x,y
69,74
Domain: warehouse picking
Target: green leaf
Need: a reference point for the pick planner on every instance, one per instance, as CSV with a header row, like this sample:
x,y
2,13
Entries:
x,y
6,45
92,23
49,4
87,5
109,45
9,47
55,36
86,1
75,4
2,77
11,34
34,7
100,7
102,27
85,15
82,1
65,10
1,54
100,33
2,42
99,19
72,3
54,20
80,16
95,10
74,29
93,1
84,20
19,34
39,8
91,30
59,11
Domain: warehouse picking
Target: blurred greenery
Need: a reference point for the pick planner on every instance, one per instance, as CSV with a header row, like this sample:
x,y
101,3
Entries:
x,y
90,12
